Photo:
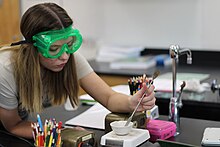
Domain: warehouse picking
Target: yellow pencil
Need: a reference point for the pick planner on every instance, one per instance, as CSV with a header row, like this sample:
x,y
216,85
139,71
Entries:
x,y
51,138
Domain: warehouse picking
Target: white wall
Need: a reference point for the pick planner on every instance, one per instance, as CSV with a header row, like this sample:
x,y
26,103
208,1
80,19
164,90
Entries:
x,y
151,23
25,4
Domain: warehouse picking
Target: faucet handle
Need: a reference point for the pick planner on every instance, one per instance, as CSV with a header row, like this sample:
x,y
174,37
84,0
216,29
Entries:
x,y
174,49
180,103
215,86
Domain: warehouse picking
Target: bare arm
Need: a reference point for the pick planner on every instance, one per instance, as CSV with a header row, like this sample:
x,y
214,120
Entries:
x,y
13,123
114,101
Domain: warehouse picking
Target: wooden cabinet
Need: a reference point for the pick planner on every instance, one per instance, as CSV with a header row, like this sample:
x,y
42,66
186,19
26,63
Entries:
x,y
9,21
113,80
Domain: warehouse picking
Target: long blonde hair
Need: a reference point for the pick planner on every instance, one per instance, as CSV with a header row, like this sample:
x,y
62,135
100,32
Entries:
x,y
31,83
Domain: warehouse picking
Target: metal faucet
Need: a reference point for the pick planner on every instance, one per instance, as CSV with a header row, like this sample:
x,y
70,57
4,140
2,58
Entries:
x,y
175,105
215,86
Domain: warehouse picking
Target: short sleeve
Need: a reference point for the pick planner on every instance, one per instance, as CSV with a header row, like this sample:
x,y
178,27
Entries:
x,y
82,66
8,94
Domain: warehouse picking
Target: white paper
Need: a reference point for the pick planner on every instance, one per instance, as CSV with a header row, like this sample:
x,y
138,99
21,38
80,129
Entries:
x,y
94,117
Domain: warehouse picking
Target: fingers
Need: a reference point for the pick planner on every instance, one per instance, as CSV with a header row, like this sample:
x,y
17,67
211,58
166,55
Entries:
x,y
149,100
150,90
146,89
147,105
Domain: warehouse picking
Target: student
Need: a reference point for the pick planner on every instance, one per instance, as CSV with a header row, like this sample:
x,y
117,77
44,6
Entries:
x,y
47,69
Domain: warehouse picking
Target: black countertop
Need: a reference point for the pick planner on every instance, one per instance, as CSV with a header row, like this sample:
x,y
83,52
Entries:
x,y
191,130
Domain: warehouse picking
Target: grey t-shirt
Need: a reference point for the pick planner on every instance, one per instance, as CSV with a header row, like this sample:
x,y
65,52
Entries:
x,y
8,91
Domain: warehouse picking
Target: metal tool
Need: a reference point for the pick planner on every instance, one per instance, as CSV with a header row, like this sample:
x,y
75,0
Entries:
x,y
155,75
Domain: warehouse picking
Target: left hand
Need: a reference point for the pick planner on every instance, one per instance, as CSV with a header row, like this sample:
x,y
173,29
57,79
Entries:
x,y
148,101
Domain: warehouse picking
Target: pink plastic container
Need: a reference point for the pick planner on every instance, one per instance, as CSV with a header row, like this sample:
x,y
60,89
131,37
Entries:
x,y
160,129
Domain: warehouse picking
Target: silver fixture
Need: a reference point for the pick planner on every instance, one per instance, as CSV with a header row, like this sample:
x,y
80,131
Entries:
x,y
175,102
215,86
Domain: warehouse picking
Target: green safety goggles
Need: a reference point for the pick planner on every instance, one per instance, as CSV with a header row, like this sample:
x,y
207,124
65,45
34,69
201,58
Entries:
x,y
47,42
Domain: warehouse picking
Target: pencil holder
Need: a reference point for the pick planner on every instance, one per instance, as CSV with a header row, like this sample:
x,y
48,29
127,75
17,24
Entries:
x,y
47,135
58,145
136,83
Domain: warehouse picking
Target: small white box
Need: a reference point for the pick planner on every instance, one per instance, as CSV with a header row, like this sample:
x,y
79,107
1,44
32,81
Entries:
x,y
153,113
211,137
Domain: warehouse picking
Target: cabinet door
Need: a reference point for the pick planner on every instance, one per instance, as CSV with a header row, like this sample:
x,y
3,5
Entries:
x,y
9,21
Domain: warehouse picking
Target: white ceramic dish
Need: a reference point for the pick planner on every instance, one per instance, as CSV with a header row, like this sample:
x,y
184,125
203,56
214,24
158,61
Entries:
x,y
119,127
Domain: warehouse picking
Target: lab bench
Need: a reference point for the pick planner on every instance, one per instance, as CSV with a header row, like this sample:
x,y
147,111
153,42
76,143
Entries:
x,y
191,130
205,105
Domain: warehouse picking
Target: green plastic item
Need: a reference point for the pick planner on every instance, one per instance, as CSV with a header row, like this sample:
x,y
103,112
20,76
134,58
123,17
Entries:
x,y
48,45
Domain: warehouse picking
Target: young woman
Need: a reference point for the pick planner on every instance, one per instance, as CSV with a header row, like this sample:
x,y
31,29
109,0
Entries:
x,y
46,69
